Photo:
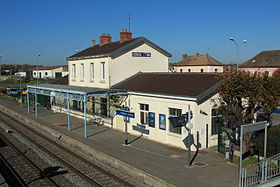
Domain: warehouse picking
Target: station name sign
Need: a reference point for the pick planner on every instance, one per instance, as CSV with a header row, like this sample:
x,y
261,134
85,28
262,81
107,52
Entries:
x,y
141,54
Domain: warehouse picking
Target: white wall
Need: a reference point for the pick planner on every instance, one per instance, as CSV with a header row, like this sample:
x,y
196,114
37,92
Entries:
x,y
161,106
87,81
198,68
36,74
125,65
118,69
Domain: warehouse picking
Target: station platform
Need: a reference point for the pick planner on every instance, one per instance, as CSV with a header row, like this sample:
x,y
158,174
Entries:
x,y
161,161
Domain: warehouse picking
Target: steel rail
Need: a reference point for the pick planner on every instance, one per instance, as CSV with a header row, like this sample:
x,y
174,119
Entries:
x,y
79,173
11,172
26,159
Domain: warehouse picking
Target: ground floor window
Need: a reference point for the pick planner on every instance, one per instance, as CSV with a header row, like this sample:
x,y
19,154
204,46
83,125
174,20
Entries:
x,y
144,113
103,106
216,121
174,112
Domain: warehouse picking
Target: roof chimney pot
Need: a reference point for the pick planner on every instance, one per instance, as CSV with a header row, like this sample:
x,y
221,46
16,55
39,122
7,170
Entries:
x,y
92,42
105,38
125,34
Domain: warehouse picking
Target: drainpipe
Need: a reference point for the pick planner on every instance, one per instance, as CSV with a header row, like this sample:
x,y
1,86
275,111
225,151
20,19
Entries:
x,y
110,73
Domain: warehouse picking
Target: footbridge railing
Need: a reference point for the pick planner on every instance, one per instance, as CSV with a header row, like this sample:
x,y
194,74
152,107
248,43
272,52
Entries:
x,y
261,172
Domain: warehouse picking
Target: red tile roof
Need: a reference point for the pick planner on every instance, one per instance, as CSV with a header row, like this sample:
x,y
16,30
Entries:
x,y
115,49
264,59
198,60
48,67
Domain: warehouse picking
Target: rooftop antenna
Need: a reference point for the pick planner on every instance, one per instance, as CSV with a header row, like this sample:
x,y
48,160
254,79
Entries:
x,y
129,20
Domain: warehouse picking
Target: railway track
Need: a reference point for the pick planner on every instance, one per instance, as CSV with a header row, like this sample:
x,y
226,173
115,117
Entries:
x,y
25,164
88,172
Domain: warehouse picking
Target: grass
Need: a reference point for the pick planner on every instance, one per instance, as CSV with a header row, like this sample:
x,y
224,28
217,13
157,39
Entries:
x,y
7,97
247,162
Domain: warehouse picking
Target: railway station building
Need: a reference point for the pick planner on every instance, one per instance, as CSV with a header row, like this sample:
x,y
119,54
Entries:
x,y
133,72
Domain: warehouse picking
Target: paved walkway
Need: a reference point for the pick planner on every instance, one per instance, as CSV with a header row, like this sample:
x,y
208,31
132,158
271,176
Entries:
x,y
162,161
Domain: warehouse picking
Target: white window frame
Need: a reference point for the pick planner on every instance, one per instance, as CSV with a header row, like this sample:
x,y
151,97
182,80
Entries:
x,y
92,71
144,113
74,71
177,113
82,71
102,70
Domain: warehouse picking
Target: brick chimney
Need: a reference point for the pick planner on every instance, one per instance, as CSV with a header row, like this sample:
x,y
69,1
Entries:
x,y
105,38
125,34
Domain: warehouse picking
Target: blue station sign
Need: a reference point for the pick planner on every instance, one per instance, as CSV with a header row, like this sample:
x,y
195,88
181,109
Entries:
x,y
125,113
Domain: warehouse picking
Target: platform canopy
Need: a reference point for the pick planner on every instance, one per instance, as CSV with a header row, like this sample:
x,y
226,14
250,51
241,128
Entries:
x,y
67,92
74,92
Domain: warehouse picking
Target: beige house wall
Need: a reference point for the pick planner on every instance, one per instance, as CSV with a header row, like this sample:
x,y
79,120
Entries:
x,y
118,69
126,65
198,68
160,105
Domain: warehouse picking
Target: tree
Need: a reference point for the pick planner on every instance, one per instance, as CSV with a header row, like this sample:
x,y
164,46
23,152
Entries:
x,y
243,94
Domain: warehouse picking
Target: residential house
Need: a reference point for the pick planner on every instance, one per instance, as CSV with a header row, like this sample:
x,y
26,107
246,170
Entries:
x,y
50,72
265,62
198,63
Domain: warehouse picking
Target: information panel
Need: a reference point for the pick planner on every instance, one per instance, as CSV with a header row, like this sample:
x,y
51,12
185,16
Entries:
x,y
141,54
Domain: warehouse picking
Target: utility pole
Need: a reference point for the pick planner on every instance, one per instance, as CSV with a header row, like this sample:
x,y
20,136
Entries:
x,y
0,64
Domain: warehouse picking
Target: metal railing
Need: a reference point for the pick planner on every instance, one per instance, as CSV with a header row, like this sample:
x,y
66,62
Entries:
x,y
261,171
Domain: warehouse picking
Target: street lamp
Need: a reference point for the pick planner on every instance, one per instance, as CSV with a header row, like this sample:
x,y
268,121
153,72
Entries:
x,y
0,64
237,47
36,106
37,67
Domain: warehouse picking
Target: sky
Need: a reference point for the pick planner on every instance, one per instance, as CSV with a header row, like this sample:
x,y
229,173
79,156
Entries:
x,y
57,28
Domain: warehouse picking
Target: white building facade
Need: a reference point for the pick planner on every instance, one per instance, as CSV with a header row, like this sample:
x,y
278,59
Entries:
x,y
50,72
108,63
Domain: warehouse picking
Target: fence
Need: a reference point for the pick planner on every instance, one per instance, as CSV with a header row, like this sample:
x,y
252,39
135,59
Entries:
x,y
261,171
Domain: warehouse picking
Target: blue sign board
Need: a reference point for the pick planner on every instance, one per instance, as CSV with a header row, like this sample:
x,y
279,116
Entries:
x,y
162,121
124,108
140,128
125,113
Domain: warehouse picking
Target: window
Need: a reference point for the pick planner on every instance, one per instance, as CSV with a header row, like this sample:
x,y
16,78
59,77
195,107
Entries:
x,y
74,71
102,70
189,70
91,71
216,70
34,73
181,70
46,73
201,70
144,113
162,121
174,112
103,106
82,72
216,121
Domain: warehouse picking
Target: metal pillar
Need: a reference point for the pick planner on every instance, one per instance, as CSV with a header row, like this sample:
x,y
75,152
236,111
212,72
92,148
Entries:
x,y
36,104
68,113
85,114
265,142
240,161
189,134
126,133
28,104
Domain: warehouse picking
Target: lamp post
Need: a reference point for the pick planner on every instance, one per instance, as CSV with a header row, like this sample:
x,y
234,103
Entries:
x,y
36,106
237,48
0,64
